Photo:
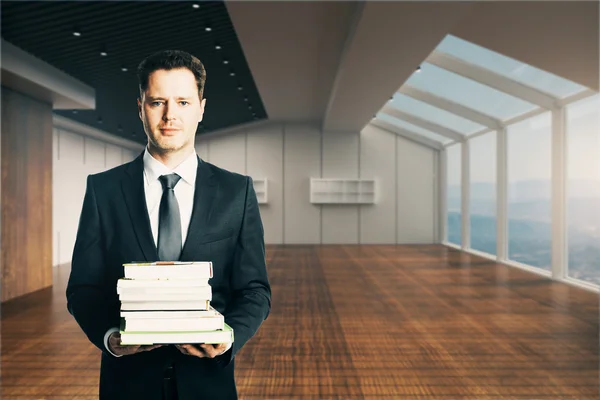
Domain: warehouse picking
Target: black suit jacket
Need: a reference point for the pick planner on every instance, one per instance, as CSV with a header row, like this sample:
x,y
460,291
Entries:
x,y
114,229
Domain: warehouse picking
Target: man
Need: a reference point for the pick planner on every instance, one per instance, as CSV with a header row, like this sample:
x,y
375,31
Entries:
x,y
168,204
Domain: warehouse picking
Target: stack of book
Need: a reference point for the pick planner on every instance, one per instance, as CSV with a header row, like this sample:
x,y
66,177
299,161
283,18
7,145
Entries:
x,y
169,303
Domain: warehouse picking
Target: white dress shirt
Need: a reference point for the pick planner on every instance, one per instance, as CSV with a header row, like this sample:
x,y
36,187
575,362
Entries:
x,y
184,193
184,190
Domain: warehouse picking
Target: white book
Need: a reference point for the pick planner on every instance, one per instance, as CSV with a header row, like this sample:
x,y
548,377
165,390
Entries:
x,y
151,291
131,284
165,305
168,270
177,314
211,337
210,323
200,295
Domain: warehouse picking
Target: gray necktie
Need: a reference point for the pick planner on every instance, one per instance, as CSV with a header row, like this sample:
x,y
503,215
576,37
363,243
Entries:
x,y
169,221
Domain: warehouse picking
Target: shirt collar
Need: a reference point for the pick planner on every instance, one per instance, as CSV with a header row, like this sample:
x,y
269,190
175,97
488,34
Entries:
x,y
187,170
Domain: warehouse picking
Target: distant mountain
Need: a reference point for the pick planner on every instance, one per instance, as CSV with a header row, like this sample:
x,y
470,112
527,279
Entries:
x,y
530,200
531,190
530,242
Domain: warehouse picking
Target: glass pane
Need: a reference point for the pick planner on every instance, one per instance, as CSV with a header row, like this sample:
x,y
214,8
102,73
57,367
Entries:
x,y
453,193
434,114
482,156
416,129
510,68
467,92
583,189
529,191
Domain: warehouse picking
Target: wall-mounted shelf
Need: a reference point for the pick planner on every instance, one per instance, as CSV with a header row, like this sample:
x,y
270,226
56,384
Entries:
x,y
342,191
260,187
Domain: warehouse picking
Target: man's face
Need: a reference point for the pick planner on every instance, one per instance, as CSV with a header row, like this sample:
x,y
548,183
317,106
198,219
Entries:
x,y
170,109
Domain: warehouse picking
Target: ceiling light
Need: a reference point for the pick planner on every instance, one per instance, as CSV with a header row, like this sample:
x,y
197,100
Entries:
x,y
217,46
208,28
74,111
120,128
232,73
103,53
76,31
419,68
196,5
245,99
240,87
225,61
99,120
124,69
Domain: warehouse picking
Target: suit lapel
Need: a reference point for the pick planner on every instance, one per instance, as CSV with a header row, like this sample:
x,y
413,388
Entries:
x,y
135,198
204,196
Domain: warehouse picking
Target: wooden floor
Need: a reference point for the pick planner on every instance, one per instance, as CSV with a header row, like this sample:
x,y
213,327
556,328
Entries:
x,y
359,322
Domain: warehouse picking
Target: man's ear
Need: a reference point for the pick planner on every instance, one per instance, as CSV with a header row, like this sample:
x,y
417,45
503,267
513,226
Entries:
x,y
139,104
202,105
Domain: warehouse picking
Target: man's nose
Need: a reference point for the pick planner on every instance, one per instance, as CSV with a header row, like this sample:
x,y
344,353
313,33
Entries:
x,y
169,111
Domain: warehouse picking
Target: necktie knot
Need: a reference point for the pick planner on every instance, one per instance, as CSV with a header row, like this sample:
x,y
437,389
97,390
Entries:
x,y
169,181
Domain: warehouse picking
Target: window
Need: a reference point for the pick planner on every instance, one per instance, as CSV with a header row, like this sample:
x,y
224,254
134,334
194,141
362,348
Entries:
x,y
453,202
508,67
433,114
583,189
467,92
482,154
529,191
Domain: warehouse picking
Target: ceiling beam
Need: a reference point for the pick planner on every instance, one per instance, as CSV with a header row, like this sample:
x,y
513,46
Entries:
x,y
407,134
492,79
452,107
30,75
430,126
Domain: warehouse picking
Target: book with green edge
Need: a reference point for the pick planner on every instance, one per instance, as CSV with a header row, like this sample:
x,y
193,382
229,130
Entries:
x,y
149,338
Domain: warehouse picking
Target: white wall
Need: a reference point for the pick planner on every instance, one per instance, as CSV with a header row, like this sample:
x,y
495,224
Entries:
x,y
288,155
75,156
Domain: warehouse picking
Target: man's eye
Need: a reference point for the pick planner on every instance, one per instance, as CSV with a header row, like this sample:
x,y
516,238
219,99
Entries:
x,y
155,103
186,103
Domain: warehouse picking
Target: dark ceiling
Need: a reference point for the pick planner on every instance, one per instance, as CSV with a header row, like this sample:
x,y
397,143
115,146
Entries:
x,y
128,31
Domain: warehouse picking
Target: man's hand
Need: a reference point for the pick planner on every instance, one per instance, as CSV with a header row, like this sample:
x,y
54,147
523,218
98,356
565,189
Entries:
x,y
114,342
202,350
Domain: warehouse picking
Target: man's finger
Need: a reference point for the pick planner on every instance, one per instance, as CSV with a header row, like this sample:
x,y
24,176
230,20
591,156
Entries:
x,y
213,350
194,351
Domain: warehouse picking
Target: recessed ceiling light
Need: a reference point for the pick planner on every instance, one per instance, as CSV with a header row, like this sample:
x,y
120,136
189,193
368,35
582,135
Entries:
x,y
218,47
103,53
74,111
208,29
77,33
225,61
133,134
99,120
240,87
120,128
232,73
124,69
245,99
196,5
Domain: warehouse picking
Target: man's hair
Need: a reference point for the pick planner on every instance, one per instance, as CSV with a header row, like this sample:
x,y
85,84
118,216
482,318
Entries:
x,y
167,60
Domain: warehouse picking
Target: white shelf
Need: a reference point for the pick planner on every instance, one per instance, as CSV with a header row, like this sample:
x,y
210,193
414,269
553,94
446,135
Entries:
x,y
342,191
260,187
